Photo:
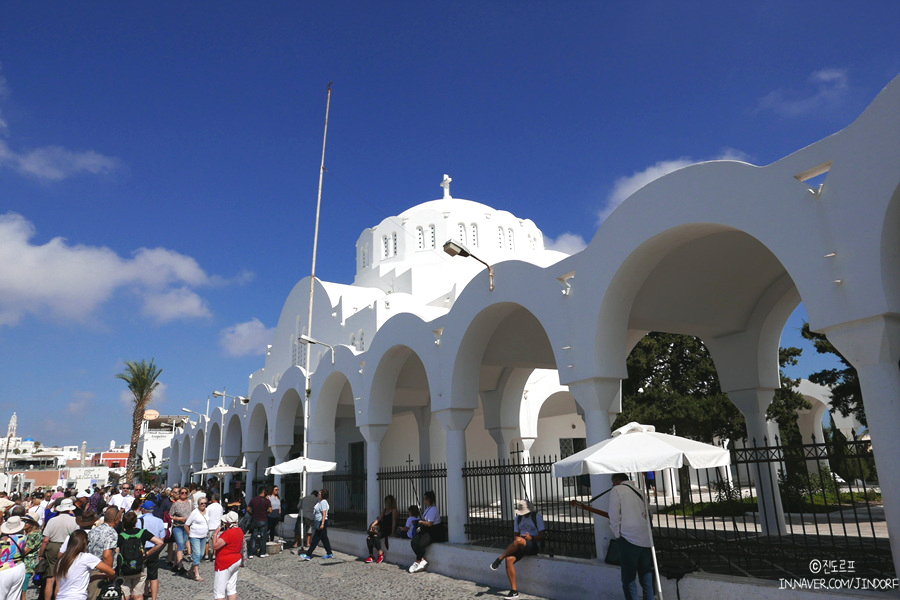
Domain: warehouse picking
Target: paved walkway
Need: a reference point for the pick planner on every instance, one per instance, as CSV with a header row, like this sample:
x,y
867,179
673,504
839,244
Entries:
x,y
284,576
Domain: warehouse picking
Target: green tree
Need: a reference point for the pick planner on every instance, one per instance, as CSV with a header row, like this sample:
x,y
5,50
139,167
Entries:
x,y
672,384
141,378
846,394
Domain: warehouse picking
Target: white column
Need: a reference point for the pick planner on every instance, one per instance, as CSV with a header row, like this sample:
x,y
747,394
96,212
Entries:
x,y
524,458
599,398
251,458
504,436
760,432
455,420
873,348
183,470
280,453
229,478
373,434
423,421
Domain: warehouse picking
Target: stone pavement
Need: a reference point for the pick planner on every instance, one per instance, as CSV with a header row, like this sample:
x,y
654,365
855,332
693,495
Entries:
x,y
284,576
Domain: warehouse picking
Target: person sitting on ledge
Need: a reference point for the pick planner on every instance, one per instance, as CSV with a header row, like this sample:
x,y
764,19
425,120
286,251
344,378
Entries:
x,y
429,530
530,532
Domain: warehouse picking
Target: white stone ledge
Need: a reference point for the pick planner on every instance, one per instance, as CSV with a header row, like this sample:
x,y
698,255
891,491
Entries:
x,y
563,578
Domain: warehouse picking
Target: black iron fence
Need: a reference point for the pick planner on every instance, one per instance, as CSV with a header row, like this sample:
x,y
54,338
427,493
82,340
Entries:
x,y
775,512
492,487
408,484
347,498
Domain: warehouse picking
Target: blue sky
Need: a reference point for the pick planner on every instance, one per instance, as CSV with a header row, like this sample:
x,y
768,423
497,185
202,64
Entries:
x,y
159,161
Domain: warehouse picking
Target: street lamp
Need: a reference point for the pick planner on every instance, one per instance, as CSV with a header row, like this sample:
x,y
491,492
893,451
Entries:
x,y
456,249
305,339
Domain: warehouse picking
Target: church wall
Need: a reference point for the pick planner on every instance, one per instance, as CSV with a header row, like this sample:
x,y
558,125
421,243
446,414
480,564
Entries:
x,y
345,433
551,429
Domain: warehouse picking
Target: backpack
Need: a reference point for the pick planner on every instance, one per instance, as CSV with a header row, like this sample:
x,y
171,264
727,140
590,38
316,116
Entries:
x,y
131,553
111,590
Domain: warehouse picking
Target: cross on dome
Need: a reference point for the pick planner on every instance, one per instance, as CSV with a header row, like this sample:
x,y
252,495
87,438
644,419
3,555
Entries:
x,y
446,185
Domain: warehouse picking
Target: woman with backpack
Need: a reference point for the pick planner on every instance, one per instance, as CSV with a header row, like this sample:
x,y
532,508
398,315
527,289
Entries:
x,y
73,571
197,528
132,555
382,528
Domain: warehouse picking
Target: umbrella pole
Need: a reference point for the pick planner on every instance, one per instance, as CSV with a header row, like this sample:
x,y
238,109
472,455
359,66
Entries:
x,y
657,581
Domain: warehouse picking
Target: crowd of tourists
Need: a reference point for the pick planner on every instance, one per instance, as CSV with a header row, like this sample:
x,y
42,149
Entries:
x,y
108,542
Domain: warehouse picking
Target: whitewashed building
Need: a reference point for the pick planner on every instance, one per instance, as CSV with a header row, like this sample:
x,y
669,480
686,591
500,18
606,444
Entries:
x,y
435,359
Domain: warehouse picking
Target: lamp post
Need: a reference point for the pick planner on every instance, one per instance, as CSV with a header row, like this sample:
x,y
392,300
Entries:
x,y
305,339
456,249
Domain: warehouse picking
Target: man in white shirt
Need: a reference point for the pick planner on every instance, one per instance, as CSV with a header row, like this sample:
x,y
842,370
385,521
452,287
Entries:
x,y
214,512
628,521
116,498
195,497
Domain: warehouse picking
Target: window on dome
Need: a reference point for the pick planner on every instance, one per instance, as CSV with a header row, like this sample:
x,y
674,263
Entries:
x,y
394,244
500,237
461,234
362,341
365,256
510,240
353,340
431,236
420,238
473,232
384,246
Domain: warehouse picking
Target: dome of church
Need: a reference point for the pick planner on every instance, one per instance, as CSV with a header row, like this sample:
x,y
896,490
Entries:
x,y
416,236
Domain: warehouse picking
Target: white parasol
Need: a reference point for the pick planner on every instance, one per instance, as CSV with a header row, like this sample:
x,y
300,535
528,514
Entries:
x,y
300,465
637,448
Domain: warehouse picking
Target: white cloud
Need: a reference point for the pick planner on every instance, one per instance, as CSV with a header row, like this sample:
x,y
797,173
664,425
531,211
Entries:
x,y
80,402
568,243
829,88
246,339
626,186
175,305
49,163
70,282
54,163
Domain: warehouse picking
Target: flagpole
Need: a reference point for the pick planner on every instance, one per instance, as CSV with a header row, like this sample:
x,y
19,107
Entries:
x,y
312,287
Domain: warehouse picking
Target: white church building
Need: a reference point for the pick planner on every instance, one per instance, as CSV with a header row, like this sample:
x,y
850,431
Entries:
x,y
432,358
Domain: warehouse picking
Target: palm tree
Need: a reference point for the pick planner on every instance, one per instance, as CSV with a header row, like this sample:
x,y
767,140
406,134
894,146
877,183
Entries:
x,y
142,381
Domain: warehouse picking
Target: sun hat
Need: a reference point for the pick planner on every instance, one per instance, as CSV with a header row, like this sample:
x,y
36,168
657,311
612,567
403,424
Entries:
x,y
230,517
12,525
65,505
523,507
